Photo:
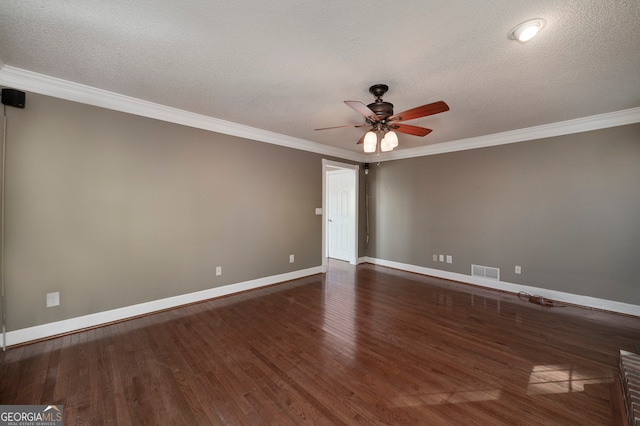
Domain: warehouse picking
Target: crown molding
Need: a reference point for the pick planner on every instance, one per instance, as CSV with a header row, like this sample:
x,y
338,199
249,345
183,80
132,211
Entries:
x,y
64,89
68,90
585,124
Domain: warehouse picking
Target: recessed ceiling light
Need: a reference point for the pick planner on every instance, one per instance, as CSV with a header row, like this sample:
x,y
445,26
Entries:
x,y
527,30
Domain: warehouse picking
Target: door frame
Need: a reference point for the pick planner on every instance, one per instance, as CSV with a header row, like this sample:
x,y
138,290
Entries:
x,y
326,164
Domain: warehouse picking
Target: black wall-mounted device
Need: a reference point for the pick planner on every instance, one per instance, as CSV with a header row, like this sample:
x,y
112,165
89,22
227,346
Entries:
x,y
13,97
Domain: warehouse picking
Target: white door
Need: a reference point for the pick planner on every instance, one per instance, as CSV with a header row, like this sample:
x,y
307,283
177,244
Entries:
x,y
341,217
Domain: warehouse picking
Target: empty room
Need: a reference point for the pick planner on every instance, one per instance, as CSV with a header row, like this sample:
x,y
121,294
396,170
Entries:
x,y
421,212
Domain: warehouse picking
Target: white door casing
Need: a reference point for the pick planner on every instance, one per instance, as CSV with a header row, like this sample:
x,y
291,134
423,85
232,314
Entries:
x,y
328,167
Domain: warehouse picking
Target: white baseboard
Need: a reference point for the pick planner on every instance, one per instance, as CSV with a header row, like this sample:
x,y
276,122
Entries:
x,y
73,324
574,299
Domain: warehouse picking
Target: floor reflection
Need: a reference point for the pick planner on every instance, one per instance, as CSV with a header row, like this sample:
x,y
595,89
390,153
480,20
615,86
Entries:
x,y
454,397
339,316
551,379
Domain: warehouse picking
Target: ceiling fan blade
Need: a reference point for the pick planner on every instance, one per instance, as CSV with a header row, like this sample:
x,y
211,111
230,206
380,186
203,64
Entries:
x,y
362,109
421,111
411,130
361,140
342,127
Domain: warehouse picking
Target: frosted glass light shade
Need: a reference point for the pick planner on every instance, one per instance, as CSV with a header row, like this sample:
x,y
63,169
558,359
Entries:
x,y
370,142
392,139
385,145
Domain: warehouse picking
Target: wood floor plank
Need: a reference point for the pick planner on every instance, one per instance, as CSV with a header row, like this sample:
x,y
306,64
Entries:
x,y
357,345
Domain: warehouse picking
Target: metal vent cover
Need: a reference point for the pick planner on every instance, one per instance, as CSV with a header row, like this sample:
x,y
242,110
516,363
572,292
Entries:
x,y
485,272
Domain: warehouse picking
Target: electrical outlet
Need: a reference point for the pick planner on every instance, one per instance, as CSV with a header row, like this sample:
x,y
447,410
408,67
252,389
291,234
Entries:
x,y
435,257
449,259
218,270
291,258
518,269
53,299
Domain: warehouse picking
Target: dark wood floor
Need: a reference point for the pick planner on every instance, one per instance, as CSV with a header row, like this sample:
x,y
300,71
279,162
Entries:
x,y
365,345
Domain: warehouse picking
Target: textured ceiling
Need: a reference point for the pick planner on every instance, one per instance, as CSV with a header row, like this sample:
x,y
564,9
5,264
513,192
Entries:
x,y
287,66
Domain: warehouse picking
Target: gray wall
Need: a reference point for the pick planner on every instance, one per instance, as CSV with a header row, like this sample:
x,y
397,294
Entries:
x,y
567,209
113,209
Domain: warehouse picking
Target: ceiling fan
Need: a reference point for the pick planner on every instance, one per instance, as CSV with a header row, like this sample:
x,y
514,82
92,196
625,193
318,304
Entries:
x,y
380,117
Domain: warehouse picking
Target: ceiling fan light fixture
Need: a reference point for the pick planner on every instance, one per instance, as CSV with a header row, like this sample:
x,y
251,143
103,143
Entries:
x,y
379,115
527,30
370,142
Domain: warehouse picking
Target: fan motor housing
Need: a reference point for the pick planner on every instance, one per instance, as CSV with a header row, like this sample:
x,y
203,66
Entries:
x,y
382,109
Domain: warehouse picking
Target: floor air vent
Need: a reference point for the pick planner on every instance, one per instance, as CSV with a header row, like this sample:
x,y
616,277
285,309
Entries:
x,y
630,381
485,272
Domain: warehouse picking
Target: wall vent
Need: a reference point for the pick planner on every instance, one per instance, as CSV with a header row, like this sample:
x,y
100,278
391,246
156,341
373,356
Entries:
x,y
485,272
